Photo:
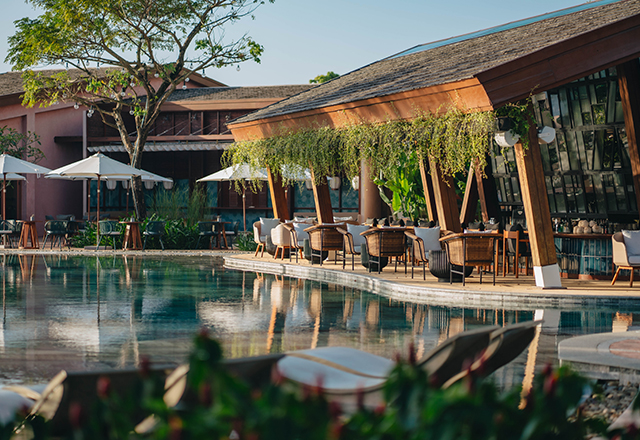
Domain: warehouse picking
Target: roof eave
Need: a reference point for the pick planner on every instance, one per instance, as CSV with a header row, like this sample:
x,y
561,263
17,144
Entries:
x,y
467,94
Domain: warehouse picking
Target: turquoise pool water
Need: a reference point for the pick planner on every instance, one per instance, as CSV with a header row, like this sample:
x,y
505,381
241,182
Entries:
x,y
80,313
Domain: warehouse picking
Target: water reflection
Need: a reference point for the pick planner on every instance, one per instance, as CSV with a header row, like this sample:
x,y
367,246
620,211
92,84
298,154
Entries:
x,y
76,313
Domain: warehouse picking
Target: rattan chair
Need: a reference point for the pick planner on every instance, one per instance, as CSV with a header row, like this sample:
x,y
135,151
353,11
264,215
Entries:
x,y
324,238
470,249
352,244
386,242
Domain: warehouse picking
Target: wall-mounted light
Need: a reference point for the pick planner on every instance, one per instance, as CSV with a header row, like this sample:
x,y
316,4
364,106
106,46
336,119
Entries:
x,y
334,182
546,135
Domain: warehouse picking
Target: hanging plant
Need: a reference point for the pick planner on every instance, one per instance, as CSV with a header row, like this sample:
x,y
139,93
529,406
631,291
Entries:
x,y
520,115
451,137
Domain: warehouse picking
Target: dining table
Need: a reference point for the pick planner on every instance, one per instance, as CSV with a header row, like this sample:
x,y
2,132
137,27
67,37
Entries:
x,y
28,234
132,237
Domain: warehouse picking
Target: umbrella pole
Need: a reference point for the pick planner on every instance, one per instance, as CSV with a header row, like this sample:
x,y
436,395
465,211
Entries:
x,y
98,217
244,209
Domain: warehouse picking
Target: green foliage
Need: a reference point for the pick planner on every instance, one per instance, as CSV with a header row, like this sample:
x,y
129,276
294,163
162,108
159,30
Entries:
x,y
408,195
324,78
245,241
20,145
451,137
521,115
169,204
118,54
197,205
220,406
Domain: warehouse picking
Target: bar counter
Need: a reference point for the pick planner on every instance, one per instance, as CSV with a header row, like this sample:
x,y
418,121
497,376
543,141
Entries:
x,y
584,256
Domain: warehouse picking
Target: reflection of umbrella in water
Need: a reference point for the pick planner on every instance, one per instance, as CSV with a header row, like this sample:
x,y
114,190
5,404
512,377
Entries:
x,y
98,166
10,164
237,172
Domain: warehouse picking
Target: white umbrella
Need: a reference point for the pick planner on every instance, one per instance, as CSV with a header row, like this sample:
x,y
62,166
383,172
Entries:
x,y
146,176
10,164
238,172
98,166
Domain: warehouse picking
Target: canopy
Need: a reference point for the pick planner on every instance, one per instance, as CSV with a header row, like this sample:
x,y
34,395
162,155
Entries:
x,y
236,172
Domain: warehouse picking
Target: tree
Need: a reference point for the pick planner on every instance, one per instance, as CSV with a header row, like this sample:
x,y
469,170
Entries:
x,y
324,78
132,40
20,145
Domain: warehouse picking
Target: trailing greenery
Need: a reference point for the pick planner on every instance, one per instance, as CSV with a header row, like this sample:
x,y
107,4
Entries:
x,y
20,145
221,406
452,137
521,116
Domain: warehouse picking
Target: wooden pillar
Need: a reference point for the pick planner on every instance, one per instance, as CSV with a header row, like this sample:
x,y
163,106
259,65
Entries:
x,y
470,199
370,201
488,194
445,199
629,84
536,209
322,197
427,187
278,196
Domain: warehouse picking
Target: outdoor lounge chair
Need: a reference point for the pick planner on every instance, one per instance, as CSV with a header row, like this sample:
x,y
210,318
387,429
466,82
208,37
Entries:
x,y
425,240
55,231
626,253
109,229
347,374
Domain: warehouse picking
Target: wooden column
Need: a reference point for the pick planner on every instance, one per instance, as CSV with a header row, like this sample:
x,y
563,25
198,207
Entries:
x,y
427,187
470,199
536,209
278,196
629,83
370,201
445,199
322,197
488,194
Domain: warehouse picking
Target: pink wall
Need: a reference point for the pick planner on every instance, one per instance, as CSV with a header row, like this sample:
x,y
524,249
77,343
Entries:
x,y
40,196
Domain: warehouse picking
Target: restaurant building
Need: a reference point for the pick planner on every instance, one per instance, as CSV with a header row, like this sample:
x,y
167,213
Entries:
x,y
581,66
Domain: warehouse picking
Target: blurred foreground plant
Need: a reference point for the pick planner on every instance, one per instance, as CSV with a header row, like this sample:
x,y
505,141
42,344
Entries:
x,y
217,405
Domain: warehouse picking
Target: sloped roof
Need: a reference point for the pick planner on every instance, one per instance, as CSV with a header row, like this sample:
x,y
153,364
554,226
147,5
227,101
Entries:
x,y
235,93
453,60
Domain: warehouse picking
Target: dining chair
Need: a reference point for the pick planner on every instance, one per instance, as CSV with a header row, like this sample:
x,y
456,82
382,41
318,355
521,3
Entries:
x,y
424,241
352,242
324,238
514,246
56,230
470,250
386,242
154,229
109,229
205,229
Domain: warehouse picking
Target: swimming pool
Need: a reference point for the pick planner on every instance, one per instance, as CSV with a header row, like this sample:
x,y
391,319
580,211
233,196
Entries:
x,y
88,313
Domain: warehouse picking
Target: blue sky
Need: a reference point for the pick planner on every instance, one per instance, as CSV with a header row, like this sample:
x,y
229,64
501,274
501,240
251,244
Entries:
x,y
304,38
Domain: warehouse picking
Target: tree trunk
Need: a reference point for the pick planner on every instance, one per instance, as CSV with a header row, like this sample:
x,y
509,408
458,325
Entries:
x,y
138,198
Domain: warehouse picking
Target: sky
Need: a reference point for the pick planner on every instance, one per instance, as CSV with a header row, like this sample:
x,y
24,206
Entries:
x,y
303,39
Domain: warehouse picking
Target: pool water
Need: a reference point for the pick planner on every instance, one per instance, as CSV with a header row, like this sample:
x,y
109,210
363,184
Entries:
x,y
90,313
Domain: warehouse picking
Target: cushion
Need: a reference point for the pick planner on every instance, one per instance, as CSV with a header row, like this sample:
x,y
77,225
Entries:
x,y
280,236
266,225
633,260
631,242
300,233
430,238
355,230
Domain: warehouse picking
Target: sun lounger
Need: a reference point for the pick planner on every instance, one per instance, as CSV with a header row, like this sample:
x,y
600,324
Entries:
x,y
346,374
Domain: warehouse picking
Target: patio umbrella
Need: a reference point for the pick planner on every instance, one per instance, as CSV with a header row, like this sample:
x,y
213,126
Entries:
x,y
10,164
237,172
98,166
146,176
